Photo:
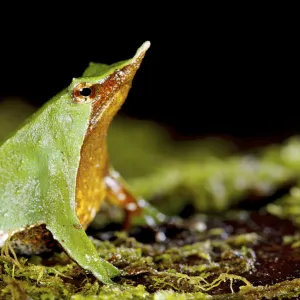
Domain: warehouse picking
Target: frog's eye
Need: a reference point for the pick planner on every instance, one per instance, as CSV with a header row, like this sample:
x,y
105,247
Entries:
x,y
86,92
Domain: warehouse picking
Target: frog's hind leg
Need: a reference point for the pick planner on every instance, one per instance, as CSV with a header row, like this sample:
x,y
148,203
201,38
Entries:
x,y
119,194
71,236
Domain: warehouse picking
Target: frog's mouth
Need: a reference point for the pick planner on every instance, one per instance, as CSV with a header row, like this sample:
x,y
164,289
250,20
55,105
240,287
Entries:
x,y
112,92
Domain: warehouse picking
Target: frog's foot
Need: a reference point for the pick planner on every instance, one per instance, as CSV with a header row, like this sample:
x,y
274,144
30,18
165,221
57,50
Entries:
x,y
79,247
137,211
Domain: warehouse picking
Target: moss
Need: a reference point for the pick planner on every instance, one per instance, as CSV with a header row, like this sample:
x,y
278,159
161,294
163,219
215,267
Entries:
x,y
282,290
159,270
287,206
153,271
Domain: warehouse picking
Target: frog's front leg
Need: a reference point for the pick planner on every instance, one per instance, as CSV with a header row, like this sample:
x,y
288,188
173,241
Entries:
x,y
137,210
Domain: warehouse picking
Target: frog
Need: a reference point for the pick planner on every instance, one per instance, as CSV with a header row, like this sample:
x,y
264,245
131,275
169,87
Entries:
x,y
55,171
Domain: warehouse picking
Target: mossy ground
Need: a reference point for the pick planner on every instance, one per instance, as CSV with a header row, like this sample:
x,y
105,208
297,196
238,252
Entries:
x,y
243,256
237,235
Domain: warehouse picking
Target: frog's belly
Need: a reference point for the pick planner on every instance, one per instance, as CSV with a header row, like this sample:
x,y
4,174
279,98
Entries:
x,y
88,201
90,184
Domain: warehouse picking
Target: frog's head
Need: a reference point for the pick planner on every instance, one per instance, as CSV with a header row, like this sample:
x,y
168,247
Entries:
x,y
105,87
101,91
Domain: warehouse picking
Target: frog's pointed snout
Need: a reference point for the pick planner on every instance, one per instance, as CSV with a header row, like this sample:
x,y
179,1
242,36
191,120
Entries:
x,y
142,50
140,53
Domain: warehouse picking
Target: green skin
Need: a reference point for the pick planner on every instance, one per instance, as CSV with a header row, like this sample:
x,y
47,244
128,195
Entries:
x,y
38,168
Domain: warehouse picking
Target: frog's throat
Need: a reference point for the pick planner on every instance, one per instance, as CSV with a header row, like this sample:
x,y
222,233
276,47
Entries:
x,y
90,185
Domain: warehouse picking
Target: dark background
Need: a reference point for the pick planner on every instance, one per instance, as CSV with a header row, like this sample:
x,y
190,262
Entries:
x,y
209,73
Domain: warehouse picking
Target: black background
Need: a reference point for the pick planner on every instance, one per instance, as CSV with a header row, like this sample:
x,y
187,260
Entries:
x,y
213,71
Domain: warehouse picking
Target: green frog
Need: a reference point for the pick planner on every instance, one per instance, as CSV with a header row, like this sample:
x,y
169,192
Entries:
x,y
55,171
